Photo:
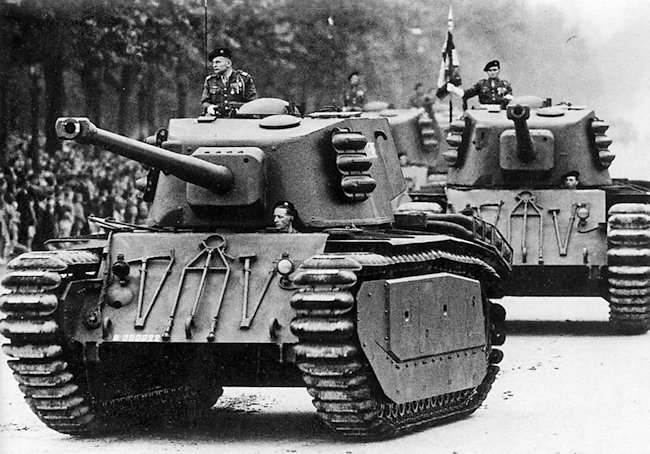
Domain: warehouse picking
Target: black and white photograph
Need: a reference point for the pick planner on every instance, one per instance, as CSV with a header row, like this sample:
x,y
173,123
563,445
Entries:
x,y
309,226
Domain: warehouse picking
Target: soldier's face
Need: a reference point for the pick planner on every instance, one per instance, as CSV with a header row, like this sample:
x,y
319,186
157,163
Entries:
x,y
571,182
221,64
493,73
354,80
282,219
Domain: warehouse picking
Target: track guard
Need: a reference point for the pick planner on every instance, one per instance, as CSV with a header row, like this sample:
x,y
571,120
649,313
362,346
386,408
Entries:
x,y
427,338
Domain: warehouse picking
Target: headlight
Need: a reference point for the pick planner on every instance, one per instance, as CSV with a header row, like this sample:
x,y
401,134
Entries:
x,y
582,212
285,266
121,269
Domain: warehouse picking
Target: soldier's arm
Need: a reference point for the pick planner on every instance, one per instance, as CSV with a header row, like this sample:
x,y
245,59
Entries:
x,y
205,96
508,93
507,86
250,92
472,91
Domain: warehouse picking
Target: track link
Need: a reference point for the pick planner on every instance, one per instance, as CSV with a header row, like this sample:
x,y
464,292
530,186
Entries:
x,y
628,261
42,366
346,393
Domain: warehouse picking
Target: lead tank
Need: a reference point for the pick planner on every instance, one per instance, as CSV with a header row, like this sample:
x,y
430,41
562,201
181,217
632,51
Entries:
x,y
507,166
389,329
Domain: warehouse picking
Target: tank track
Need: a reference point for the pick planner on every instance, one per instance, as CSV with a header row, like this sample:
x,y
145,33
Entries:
x,y
42,364
346,394
50,375
628,262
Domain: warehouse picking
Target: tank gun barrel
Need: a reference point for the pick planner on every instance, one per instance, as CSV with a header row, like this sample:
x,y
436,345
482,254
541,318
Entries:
x,y
217,178
519,114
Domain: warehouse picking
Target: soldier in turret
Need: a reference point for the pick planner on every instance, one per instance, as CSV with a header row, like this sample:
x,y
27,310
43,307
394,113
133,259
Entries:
x,y
419,97
354,96
492,90
226,85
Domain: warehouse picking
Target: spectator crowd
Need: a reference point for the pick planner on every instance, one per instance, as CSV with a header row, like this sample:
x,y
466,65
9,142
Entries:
x,y
49,197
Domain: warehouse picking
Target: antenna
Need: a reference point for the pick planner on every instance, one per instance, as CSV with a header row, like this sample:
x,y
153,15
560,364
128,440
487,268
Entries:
x,y
205,35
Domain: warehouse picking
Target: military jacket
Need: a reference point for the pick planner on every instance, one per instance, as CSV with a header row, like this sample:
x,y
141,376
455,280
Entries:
x,y
354,97
418,100
239,88
489,91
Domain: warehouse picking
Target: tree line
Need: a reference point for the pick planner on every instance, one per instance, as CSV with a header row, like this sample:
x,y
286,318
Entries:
x,y
131,65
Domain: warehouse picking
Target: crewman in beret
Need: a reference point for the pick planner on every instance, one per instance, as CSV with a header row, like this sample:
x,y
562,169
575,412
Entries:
x,y
226,86
490,91
571,179
284,217
354,96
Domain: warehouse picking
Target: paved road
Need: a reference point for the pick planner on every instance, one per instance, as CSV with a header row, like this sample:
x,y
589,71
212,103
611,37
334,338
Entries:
x,y
566,386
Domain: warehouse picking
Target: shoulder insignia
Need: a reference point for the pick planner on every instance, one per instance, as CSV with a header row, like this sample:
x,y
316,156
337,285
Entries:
x,y
210,77
244,73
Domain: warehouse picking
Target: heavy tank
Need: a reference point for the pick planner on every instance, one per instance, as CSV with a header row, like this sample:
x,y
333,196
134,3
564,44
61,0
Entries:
x,y
507,166
388,328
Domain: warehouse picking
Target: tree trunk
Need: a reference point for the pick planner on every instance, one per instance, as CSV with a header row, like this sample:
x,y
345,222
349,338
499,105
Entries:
x,y
181,91
124,95
150,114
146,103
93,90
4,114
34,114
4,91
54,88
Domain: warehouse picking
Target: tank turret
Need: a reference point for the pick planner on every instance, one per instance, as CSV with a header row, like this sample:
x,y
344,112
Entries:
x,y
271,257
211,174
518,169
528,144
419,142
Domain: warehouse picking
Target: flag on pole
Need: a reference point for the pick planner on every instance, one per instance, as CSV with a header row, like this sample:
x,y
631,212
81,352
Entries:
x,y
449,66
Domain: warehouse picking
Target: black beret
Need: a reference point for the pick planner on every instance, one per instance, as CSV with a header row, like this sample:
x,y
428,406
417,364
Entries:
x,y
573,173
220,52
492,64
291,209
353,73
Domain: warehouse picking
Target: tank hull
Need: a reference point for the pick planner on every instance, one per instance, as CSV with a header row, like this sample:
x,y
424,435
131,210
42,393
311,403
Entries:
x,y
568,242
84,362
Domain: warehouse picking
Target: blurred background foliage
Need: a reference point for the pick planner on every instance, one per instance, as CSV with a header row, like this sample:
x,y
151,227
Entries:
x,y
131,65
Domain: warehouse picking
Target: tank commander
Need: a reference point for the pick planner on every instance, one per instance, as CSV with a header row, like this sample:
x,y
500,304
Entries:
x,y
354,96
226,85
571,179
492,90
419,98
284,216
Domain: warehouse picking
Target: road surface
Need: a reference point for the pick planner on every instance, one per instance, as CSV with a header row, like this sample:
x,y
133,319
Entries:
x,y
566,386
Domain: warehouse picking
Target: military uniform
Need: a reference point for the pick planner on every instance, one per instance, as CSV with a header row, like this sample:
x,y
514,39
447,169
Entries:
x,y
418,101
354,97
489,91
239,87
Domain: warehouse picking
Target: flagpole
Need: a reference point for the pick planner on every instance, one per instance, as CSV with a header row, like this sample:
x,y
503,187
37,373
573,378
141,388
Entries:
x,y
205,35
451,109
450,27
